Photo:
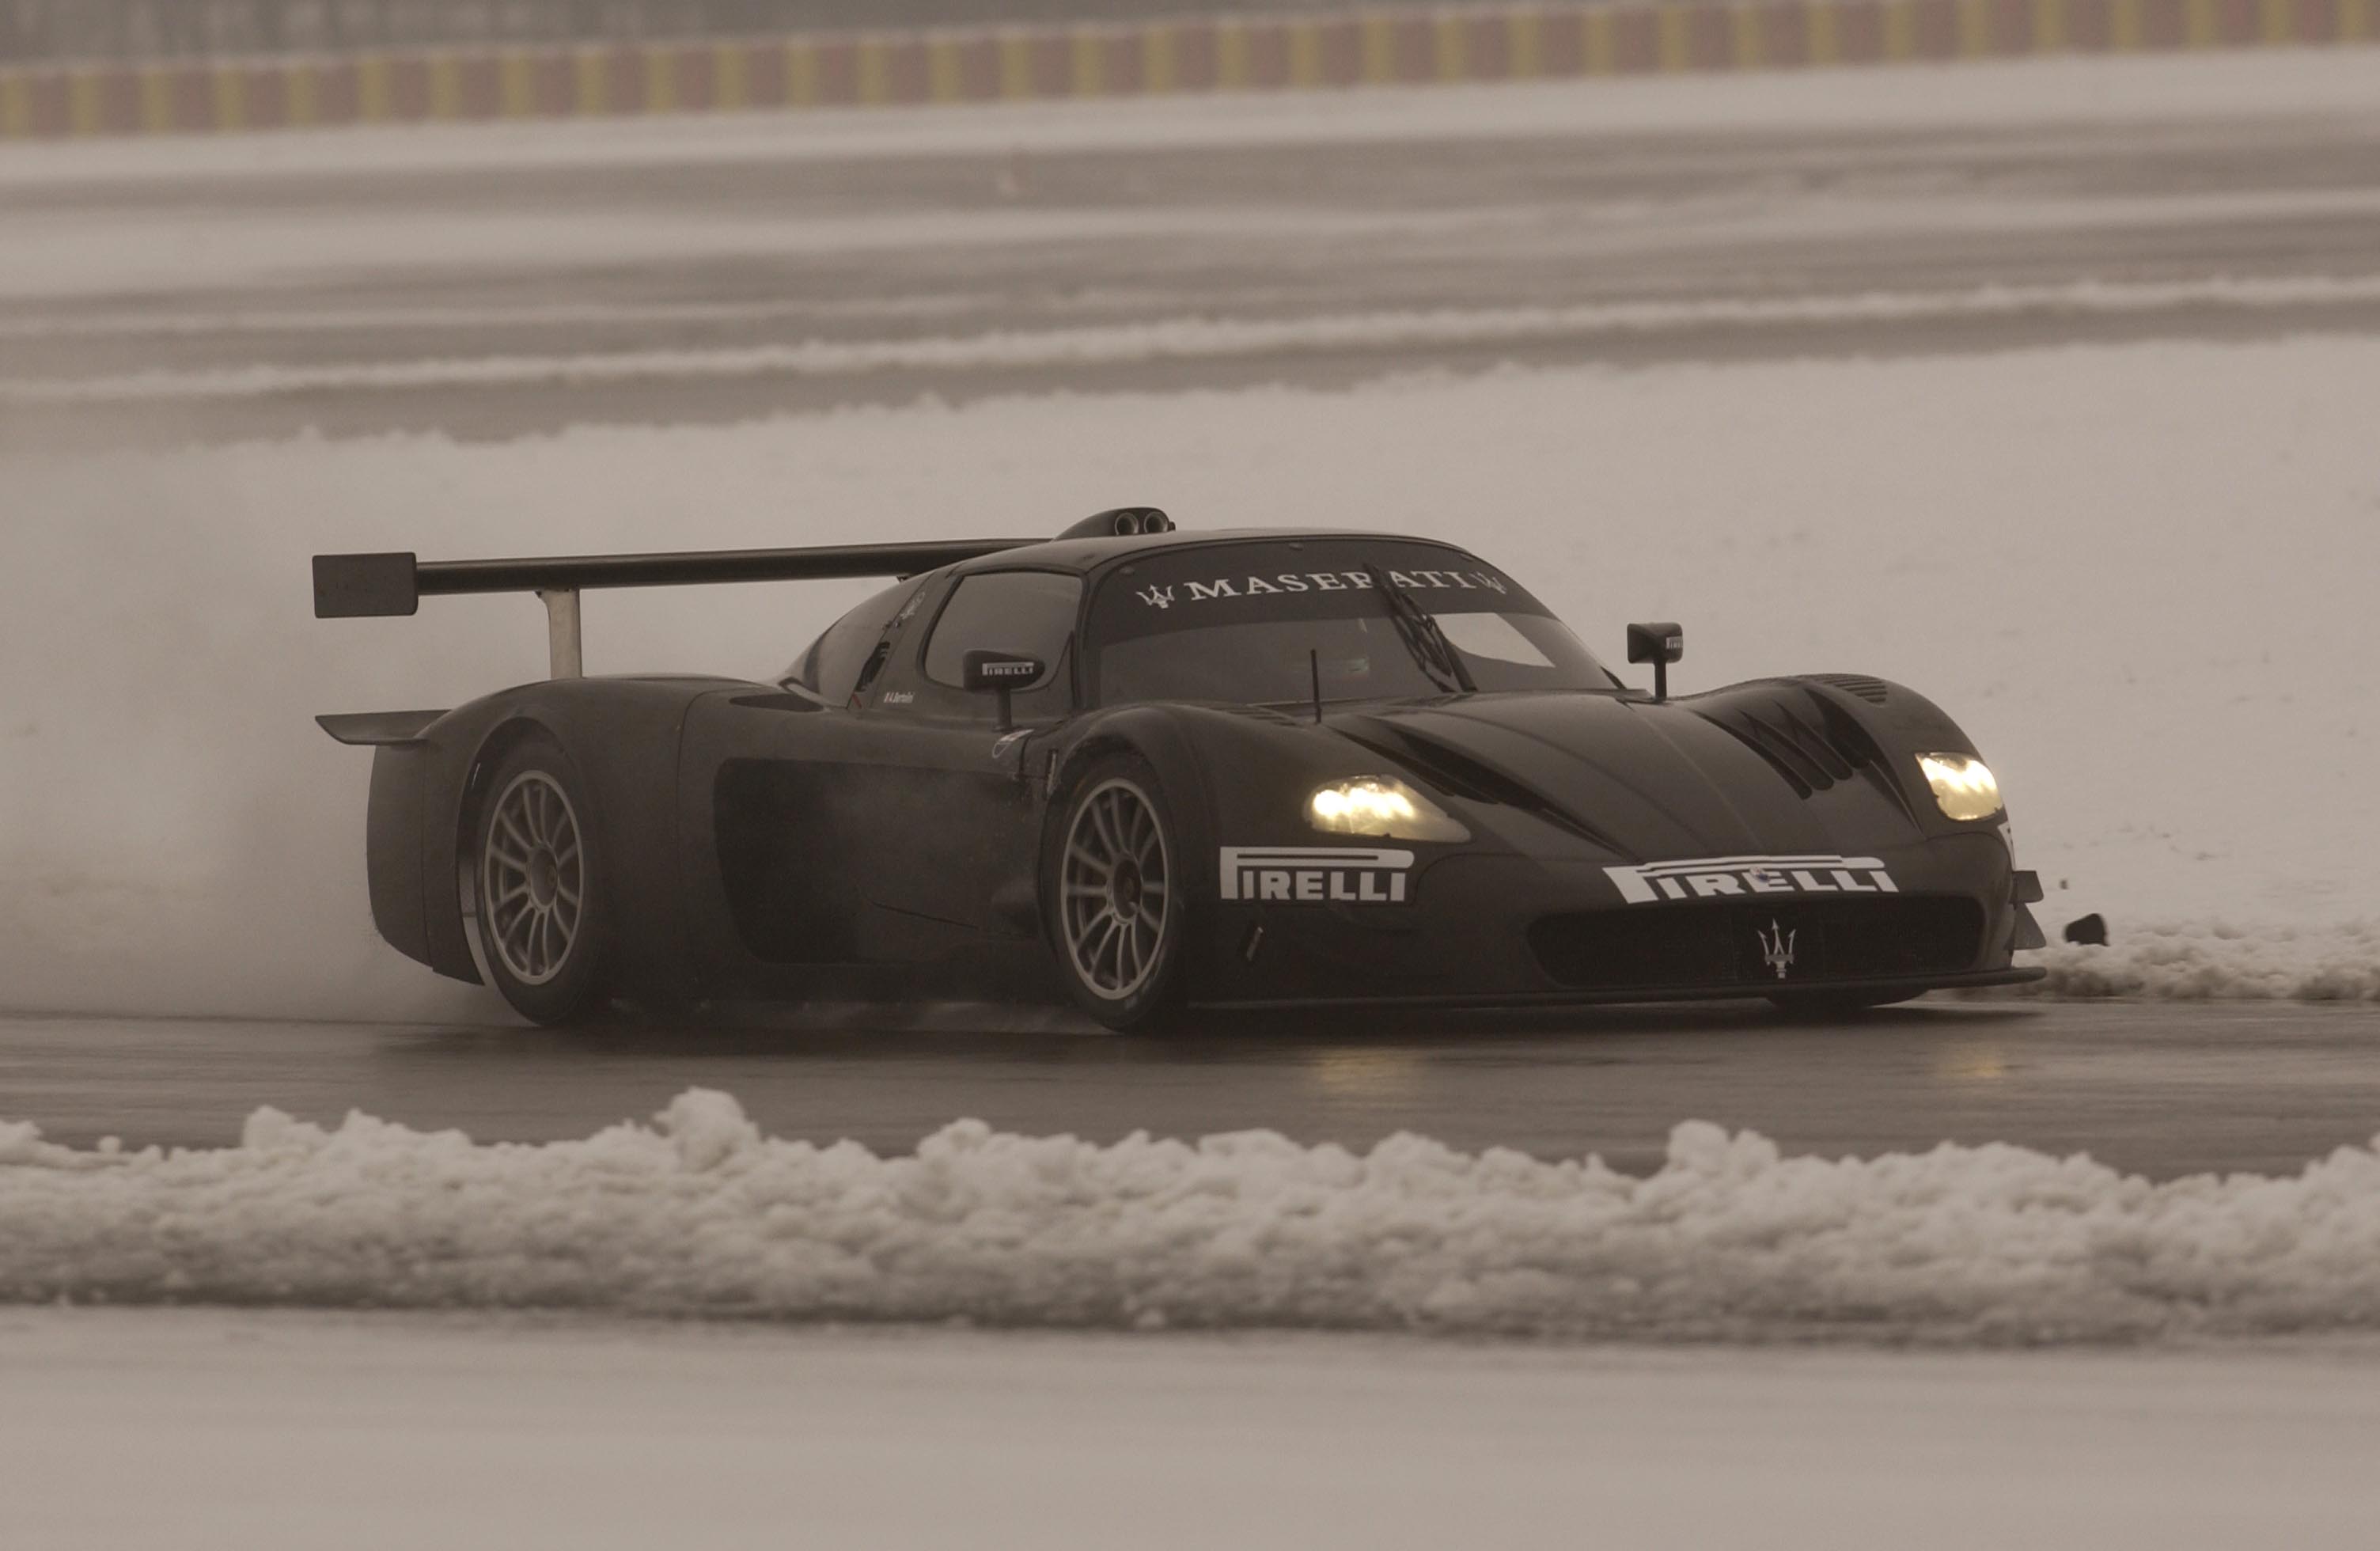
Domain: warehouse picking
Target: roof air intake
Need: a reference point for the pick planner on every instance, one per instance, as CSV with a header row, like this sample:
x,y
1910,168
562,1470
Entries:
x,y
1123,521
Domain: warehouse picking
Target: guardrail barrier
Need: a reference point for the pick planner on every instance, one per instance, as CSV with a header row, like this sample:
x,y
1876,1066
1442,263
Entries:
x,y
1179,55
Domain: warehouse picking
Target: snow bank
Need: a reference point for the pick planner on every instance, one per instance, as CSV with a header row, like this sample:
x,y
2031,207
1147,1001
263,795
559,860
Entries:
x,y
2221,962
701,1215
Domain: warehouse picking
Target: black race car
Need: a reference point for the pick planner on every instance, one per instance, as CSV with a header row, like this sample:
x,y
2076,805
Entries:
x,y
1146,769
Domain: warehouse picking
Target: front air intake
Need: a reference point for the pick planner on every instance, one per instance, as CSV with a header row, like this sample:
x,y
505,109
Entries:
x,y
1712,944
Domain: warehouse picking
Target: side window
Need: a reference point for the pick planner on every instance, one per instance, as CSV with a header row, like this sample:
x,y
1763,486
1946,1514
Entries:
x,y
833,664
1028,612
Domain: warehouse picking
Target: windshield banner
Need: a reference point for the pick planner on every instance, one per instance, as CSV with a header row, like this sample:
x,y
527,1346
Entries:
x,y
1229,584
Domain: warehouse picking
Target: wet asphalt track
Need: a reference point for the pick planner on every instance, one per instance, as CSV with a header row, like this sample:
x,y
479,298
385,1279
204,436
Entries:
x,y
2162,1089
1261,233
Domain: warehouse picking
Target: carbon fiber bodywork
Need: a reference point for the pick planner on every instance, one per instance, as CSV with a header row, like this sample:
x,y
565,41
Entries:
x,y
762,841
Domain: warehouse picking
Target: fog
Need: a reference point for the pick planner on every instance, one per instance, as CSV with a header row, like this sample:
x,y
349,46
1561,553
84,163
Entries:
x,y
2172,573
2043,387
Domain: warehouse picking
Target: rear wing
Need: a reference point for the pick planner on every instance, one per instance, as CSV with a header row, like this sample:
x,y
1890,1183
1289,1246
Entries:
x,y
391,586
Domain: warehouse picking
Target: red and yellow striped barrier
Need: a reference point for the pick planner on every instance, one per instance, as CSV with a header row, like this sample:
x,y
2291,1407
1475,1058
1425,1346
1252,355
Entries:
x,y
1187,54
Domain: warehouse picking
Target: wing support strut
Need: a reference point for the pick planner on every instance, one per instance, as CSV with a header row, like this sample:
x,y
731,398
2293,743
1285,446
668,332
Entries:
x,y
562,641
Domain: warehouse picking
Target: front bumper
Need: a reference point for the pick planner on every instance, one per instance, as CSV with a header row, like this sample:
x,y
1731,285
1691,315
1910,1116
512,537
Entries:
x,y
1488,929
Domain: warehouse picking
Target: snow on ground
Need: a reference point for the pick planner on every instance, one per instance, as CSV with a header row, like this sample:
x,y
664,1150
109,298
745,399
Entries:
x,y
214,1430
701,1215
2224,961
2075,91
2139,574
59,255
55,256
273,228
1185,339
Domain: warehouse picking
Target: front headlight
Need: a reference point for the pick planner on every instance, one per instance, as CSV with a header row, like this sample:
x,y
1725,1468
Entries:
x,y
1383,806
1961,783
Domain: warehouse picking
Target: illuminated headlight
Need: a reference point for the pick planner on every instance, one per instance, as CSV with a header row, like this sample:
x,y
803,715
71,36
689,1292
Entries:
x,y
1961,783
1383,806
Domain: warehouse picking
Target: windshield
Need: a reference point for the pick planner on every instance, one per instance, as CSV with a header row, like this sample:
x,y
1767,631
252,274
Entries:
x,y
1254,623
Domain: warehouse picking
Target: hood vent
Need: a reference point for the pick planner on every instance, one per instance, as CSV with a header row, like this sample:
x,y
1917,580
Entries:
x,y
1459,775
1814,752
1873,691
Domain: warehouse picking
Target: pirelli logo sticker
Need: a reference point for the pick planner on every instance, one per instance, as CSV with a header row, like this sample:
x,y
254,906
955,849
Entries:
x,y
1717,877
1316,875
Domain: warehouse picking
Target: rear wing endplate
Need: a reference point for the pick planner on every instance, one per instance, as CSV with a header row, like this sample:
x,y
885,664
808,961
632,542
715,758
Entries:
x,y
393,585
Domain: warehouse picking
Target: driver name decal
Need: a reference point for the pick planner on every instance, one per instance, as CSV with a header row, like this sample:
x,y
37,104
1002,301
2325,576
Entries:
x,y
1165,597
1316,875
1717,877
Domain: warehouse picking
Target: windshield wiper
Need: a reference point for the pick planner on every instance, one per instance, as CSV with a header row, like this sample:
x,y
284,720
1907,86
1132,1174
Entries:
x,y
1421,635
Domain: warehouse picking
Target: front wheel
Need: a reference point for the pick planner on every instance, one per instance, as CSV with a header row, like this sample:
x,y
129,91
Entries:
x,y
1113,878
537,879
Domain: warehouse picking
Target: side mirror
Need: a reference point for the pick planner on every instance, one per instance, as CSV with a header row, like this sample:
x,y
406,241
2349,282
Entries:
x,y
1660,645
1003,673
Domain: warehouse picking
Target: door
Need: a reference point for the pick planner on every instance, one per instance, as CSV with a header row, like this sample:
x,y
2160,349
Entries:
x,y
955,827
883,820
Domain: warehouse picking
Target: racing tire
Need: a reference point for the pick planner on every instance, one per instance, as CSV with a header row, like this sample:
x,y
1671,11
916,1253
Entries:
x,y
1112,873
536,878
1816,1007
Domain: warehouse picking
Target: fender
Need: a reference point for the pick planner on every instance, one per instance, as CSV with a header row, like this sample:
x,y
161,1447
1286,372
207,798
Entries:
x,y
1165,736
623,734
1234,775
1899,722
1158,734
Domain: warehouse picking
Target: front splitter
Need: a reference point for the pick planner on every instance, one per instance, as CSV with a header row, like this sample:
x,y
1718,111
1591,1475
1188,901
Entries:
x,y
1883,990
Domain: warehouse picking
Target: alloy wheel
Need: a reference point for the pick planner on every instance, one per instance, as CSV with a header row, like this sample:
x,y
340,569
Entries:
x,y
1117,887
533,878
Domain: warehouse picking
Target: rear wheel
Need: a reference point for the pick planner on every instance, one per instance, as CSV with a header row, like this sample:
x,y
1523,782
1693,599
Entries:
x,y
1113,878
537,880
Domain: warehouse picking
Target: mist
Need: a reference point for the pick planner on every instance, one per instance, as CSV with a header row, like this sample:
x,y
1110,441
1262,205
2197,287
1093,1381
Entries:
x,y
178,836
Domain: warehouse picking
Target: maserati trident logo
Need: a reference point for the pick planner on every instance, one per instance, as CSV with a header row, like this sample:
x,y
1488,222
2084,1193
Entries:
x,y
1157,597
1777,946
